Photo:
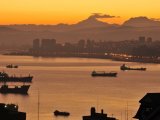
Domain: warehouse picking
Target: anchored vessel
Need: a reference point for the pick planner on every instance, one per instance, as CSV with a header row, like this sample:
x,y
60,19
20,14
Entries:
x,y
103,73
14,89
11,66
59,113
4,77
124,67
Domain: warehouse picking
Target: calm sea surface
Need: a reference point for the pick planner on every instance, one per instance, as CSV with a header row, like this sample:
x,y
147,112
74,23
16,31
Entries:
x,y
66,84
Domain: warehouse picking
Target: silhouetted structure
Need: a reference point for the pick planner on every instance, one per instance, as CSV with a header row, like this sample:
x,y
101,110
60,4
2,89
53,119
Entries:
x,y
97,116
142,39
124,67
11,66
60,113
149,40
48,44
4,77
10,112
36,44
5,89
104,74
149,108
142,49
81,45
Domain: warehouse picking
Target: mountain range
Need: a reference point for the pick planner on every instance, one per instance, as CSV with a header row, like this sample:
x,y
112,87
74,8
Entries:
x,y
90,28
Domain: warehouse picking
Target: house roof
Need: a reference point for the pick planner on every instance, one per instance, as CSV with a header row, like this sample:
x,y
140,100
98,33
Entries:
x,y
154,114
151,98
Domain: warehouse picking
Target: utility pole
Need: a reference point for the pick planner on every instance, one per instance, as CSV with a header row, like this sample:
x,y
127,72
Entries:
x,y
38,104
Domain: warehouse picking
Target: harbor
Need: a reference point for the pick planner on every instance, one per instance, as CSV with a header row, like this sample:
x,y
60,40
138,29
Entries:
x,y
66,84
79,60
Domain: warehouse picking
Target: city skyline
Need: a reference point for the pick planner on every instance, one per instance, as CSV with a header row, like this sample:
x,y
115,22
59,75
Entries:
x,y
62,58
70,12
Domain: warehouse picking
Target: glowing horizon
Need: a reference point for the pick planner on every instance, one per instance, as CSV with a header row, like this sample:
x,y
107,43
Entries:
x,y
73,11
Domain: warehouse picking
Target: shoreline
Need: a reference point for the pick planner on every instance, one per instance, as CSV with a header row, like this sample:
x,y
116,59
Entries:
x,y
153,60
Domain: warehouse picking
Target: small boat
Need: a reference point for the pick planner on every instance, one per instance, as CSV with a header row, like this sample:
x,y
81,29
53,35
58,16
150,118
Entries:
x,y
16,89
11,66
103,73
59,113
124,67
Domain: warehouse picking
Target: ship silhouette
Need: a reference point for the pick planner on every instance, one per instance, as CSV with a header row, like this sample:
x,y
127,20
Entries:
x,y
103,73
59,113
4,89
4,77
124,67
11,66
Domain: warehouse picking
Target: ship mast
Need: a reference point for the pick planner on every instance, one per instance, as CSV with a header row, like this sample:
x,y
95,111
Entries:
x,y
127,110
97,103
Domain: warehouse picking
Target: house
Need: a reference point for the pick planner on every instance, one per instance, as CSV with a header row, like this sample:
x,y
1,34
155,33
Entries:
x,y
149,108
10,112
97,116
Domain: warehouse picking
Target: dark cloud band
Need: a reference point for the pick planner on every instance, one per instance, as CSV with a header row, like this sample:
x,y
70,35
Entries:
x,y
99,15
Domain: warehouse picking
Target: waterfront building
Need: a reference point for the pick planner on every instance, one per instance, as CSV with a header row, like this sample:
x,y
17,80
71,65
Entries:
x,y
36,44
142,39
149,40
81,45
48,44
90,46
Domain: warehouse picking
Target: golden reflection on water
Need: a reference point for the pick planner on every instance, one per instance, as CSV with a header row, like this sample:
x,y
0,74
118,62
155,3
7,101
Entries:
x,y
66,84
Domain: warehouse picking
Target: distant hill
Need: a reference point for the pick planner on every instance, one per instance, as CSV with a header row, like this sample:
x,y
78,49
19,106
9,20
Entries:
x,y
90,28
142,22
6,29
91,22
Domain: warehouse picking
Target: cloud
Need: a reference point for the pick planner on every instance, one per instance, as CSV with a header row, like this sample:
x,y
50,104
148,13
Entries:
x,y
100,15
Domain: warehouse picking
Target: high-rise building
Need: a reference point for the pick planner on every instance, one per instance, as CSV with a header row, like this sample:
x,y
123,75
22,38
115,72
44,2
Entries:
x,y
36,44
48,44
149,39
142,39
81,45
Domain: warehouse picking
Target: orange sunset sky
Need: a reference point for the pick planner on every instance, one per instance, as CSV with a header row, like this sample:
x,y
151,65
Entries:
x,y
73,11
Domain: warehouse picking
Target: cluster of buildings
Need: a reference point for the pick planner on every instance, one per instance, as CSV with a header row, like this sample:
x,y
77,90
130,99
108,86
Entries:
x,y
142,46
97,116
149,107
44,45
149,110
51,46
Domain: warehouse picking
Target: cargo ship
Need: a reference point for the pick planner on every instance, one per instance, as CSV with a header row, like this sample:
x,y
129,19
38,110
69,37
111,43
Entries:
x,y
103,73
11,66
4,77
14,89
124,67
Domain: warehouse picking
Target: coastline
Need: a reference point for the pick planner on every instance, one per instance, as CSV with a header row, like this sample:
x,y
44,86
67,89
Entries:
x,y
114,57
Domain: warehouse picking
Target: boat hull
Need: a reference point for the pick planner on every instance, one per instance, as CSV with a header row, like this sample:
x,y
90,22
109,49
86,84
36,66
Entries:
x,y
16,90
16,79
104,74
140,69
58,113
